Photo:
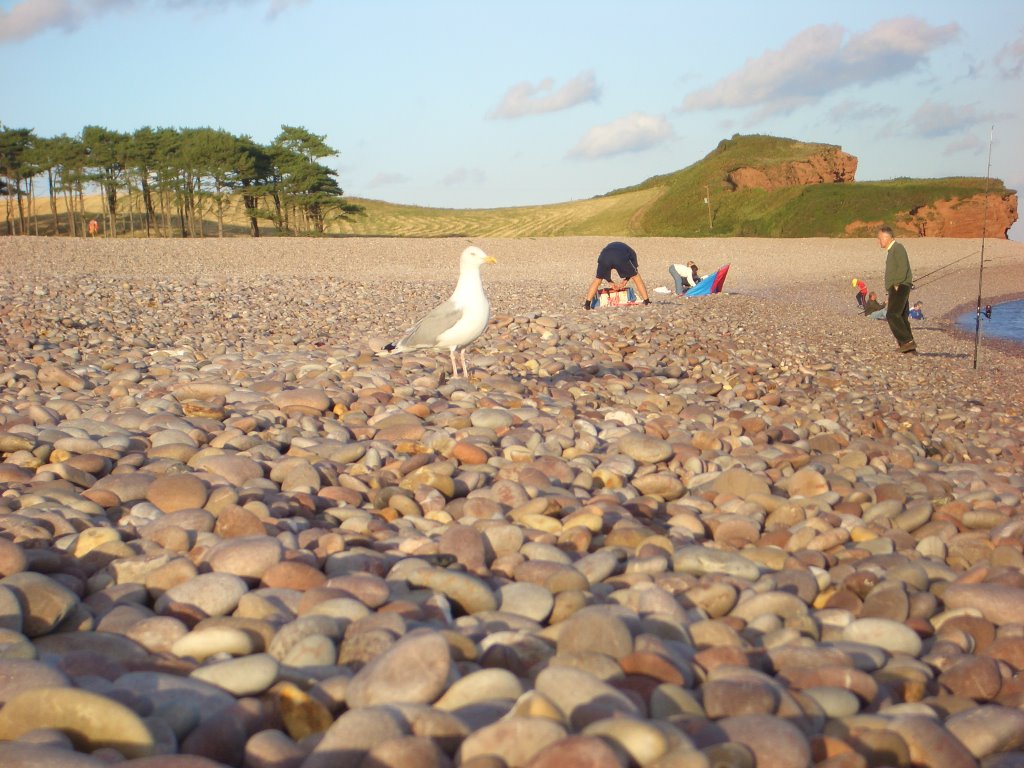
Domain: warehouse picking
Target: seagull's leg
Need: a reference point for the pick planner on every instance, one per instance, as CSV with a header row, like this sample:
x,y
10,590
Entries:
x,y
455,365
465,370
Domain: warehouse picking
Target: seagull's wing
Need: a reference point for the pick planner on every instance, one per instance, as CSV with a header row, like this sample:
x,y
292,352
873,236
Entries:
x,y
440,319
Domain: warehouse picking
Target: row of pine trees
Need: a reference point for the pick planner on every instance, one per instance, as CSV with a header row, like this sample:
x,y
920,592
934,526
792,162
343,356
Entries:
x,y
163,182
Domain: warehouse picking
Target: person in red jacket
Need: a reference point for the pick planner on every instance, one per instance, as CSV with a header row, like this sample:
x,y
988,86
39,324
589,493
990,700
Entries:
x,y
862,291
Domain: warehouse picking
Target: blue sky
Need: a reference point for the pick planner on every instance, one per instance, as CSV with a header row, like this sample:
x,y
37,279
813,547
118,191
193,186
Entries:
x,y
473,104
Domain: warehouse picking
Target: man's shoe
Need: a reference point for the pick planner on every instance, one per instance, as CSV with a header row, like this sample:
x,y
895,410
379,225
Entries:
x,y
910,346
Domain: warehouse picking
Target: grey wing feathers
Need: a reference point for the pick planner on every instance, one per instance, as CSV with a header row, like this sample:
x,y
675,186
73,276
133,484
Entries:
x,y
433,324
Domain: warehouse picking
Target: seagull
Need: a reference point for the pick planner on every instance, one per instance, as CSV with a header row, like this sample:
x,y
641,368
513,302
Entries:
x,y
457,322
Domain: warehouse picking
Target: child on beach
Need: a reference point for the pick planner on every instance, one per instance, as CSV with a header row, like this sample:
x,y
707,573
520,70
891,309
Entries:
x,y
862,291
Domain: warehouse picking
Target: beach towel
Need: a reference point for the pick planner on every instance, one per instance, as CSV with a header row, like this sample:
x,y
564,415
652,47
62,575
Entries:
x,y
611,297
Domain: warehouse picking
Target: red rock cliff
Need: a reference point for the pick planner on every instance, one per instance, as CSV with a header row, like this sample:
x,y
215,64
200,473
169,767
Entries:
x,y
965,218
951,218
831,166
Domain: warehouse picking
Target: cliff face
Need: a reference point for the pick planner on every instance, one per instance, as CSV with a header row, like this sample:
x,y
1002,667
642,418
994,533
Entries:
x,y
951,218
965,218
830,166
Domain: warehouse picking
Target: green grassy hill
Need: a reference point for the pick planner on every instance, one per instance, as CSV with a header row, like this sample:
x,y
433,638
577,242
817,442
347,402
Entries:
x,y
673,205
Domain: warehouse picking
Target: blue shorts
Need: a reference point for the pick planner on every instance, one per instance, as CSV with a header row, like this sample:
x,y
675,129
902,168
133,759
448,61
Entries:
x,y
617,256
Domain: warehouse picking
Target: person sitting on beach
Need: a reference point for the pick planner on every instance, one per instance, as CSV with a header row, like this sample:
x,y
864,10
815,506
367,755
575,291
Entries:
x,y
862,291
684,276
621,258
872,308
916,313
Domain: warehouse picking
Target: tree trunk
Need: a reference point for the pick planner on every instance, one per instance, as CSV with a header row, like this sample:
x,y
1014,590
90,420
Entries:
x,y
22,224
53,202
69,206
81,206
32,219
147,203
165,215
112,206
250,202
131,213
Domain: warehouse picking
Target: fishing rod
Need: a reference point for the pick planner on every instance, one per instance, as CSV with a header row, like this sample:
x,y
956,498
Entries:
x,y
981,266
919,284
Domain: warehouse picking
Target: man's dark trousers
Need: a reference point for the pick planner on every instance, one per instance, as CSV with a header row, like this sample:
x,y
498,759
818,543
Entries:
x,y
897,313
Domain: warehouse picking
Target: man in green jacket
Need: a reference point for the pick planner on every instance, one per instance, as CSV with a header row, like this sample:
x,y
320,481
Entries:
x,y
898,279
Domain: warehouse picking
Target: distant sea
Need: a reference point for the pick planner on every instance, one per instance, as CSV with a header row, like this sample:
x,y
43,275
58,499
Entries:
x,y
1007,321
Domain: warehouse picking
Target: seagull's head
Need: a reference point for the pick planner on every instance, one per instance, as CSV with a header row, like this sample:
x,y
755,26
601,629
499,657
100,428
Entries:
x,y
474,257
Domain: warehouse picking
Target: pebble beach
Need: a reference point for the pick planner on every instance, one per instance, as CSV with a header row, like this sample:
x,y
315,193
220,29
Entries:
x,y
739,531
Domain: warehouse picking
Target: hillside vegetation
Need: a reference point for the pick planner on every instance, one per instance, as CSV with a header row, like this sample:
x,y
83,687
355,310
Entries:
x,y
673,205
704,199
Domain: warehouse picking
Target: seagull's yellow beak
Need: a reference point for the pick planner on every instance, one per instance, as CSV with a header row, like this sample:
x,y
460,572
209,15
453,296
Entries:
x,y
490,260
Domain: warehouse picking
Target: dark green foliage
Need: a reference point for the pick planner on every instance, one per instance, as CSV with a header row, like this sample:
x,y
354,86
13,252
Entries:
x,y
177,177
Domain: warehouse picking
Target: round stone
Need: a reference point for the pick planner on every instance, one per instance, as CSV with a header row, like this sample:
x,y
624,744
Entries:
x,y
644,448
12,558
211,594
93,721
524,599
515,740
884,633
482,685
595,630
775,742
302,399
20,675
492,418
172,493
354,734
702,560
45,601
202,643
414,670
583,697
248,557
741,483
1001,604
468,592
245,676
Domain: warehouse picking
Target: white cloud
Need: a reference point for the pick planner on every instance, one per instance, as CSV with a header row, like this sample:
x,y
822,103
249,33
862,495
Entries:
x,y
967,143
851,110
464,176
29,18
385,179
1010,59
934,119
529,99
633,133
205,7
820,60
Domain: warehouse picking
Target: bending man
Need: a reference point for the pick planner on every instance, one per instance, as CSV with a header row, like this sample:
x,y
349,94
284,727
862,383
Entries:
x,y
622,259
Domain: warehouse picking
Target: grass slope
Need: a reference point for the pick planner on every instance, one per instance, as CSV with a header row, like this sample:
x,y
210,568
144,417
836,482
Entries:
x,y
673,205
669,205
